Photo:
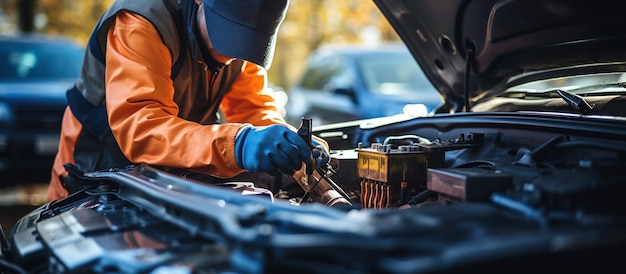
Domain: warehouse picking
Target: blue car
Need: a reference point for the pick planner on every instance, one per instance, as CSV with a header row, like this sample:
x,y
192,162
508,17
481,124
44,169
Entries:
x,y
35,72
360,82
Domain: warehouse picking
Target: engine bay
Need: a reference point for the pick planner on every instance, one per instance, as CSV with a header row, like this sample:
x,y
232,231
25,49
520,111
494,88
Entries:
x,y
562,175
443,196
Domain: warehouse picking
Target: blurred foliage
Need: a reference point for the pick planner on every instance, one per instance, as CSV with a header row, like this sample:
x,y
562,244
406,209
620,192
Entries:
x,y
308,25
71,18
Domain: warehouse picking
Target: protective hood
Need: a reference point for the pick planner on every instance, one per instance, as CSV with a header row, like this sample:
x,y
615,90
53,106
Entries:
x,y
475,49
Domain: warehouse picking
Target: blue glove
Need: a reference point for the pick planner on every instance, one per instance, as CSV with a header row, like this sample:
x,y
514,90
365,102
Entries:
x,y
320,154
271,149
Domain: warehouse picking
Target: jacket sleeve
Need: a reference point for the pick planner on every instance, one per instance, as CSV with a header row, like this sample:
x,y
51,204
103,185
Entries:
x,y
250,99
141,110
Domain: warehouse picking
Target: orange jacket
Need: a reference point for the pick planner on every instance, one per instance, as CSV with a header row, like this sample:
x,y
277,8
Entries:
x,y
143,116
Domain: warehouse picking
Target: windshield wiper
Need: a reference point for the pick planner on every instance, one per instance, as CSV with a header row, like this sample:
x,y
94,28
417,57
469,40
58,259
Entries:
x,y
575,101
571,96
578,102
618,84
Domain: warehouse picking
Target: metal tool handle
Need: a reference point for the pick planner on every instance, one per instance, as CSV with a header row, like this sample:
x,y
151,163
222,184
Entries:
x,y
306,132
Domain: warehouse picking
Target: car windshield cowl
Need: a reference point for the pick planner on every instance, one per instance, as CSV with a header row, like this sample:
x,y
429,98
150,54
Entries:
x,y
574,97
590,90
581,95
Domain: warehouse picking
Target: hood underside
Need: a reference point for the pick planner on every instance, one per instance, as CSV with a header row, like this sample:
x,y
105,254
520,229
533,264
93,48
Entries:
x,y
481,47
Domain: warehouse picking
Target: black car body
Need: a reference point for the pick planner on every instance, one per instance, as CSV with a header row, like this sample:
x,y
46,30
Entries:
x,y
35,73
522,170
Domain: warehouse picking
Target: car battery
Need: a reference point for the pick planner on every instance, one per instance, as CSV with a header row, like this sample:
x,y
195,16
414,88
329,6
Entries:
x,y
391,175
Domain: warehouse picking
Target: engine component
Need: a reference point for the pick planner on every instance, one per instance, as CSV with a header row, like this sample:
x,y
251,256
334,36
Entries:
x,y
390,175
315,181
397,169
467,184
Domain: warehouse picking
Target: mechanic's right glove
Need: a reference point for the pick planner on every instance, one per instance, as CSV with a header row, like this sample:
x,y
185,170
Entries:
x,y
320,153
271,149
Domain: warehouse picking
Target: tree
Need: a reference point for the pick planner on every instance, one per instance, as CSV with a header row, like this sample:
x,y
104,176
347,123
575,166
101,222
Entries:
x,y
26,16
310,24
74,19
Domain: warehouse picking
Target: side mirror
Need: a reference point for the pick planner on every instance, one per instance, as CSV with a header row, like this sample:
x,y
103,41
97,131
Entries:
x,y
346,91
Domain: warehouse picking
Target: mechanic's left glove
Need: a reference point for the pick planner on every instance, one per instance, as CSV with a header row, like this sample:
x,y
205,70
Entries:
x,y
271,149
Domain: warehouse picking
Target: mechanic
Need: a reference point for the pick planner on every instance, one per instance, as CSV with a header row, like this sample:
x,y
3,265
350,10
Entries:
x,y
155,75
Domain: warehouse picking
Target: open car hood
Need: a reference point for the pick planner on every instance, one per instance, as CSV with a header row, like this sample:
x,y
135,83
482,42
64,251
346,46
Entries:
x,y
492,191
479,48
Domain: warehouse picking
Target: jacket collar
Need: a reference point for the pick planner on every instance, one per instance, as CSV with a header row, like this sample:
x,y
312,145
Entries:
x,y
195,46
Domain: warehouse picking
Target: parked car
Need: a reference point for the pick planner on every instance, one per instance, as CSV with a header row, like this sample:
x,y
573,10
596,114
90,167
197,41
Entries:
x,y
344,83
522,170
35,72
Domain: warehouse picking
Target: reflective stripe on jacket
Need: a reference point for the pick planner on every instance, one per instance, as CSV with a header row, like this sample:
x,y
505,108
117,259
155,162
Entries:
x,y
161,101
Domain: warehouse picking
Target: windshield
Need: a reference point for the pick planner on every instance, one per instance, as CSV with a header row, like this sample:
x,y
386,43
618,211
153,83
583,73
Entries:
x,y
392,73
593,94
29,61
595,83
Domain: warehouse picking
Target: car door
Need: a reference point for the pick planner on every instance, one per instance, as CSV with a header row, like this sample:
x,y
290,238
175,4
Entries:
x,y
326,92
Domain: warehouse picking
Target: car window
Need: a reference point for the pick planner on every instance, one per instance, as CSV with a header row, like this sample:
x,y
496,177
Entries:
x,y
23,61
329,70
392,73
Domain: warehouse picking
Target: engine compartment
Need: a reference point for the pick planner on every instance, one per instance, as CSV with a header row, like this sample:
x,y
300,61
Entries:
x,y
543,170
477,193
